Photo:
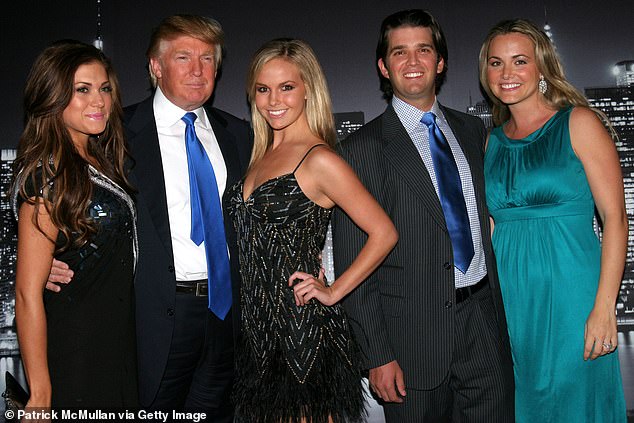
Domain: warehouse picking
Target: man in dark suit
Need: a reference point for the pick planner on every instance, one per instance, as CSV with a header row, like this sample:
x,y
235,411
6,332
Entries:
x,y
430,320
185,350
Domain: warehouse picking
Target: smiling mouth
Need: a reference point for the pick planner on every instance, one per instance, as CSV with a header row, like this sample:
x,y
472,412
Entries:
x,y
413,74
509,86
277,113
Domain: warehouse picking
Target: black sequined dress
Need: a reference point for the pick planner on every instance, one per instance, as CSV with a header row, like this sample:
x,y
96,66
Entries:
x,y
292,362
90,323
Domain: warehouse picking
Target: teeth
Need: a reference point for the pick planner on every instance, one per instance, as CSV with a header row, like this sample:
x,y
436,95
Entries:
x,y
277,112
413,74
510,86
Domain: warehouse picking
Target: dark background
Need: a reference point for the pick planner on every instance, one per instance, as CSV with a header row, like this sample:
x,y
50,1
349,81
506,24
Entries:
x,y
591,37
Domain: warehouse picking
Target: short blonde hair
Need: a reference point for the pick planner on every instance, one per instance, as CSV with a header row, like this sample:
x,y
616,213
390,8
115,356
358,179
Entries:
x,y
200,27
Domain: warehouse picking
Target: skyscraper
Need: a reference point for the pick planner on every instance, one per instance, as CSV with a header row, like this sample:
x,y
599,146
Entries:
x,y
348,122
8,250
482,110
624,72
345,124
618,105
548,30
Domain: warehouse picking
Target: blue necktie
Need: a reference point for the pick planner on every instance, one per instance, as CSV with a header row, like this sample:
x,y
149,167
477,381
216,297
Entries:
x,y
450,193
207,220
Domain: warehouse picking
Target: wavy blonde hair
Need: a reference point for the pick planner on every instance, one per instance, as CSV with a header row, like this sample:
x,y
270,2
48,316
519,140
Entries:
x,y
560,93
318,104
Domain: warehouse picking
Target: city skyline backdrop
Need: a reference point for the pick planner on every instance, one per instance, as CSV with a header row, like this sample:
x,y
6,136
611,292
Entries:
x,y
590,40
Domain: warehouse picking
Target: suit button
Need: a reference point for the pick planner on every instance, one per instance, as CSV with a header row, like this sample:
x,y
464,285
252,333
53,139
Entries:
x,y
447,265
448,304
170,268
170,312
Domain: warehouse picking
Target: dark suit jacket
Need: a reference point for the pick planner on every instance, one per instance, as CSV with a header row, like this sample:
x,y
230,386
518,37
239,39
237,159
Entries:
x,y
155,281
405,310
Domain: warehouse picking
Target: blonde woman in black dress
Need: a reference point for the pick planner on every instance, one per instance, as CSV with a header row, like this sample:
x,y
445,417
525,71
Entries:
x,y
297,361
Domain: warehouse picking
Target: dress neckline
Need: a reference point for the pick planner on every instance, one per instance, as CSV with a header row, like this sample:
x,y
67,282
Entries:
x,y
268,181
249,199
533,136
244,200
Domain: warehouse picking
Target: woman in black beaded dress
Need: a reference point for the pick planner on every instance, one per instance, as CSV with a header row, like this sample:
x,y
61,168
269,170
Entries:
x,y
73,203
297,361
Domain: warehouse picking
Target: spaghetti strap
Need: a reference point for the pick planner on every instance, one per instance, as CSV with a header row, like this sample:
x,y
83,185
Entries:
x,y
306,155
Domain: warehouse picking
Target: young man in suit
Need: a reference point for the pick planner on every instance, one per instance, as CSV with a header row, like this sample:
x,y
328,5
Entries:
x,y
185,345
430,320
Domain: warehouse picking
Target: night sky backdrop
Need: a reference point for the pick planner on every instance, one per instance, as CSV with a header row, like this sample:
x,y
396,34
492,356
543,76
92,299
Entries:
x,y
591,37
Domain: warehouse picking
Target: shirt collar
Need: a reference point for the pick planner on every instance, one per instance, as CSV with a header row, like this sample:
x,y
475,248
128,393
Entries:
x,y
410,116
167,114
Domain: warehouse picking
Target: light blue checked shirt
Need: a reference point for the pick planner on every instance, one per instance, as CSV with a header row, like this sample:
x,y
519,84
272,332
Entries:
x,y
410,118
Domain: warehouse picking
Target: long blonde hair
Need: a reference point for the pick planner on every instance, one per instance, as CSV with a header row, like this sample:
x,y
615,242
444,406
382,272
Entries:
x,y
560,93
318,104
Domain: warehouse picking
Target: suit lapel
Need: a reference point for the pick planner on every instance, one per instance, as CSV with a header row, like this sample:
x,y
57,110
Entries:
x,y
147,173
227,144
404,158
462,134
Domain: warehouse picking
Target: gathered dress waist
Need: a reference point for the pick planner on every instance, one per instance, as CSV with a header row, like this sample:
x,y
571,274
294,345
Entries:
x,y
569,208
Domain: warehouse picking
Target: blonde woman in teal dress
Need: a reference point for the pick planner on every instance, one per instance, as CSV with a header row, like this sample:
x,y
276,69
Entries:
x,y
548,164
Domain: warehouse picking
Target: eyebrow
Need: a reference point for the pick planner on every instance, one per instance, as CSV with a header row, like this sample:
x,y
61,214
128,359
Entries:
x,y
189,52
515,56
90,83
418,45
290,81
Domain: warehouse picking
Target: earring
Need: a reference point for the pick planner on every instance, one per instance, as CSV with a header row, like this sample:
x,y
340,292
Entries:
x,y
542,86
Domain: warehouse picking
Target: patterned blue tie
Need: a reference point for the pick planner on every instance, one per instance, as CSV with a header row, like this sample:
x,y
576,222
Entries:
x,y
450,193
207,220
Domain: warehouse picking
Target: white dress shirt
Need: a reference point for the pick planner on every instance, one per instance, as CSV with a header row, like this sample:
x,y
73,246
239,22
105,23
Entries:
x,y
190,262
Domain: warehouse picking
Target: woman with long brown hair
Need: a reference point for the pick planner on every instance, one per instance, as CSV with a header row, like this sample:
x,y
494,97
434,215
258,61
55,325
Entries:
x,y
73,203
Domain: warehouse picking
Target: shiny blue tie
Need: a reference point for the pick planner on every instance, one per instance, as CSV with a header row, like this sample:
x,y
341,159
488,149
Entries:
x,y
450,193
207,220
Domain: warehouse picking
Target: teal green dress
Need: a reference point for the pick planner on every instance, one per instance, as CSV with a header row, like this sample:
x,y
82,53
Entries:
x,y
548,259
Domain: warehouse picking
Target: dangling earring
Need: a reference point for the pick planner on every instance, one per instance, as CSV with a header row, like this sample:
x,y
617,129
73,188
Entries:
x,y
542,86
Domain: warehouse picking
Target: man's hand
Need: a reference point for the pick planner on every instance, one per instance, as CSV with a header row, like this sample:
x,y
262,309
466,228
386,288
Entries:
x,y
60,273
387,382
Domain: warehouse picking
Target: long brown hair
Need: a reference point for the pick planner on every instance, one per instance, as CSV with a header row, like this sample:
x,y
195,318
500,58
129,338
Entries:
x,y
47,159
